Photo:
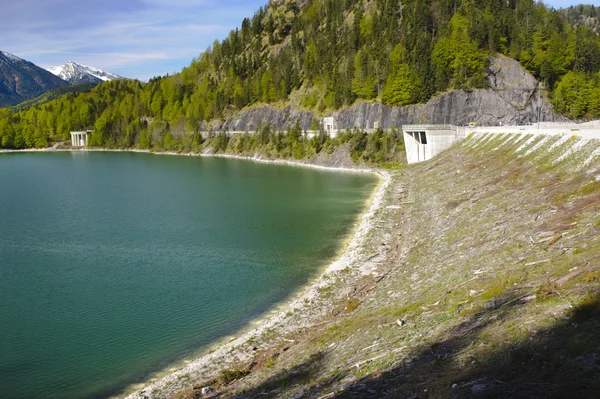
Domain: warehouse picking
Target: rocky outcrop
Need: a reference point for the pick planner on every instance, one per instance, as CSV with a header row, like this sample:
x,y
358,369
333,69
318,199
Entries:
x,y
514,98
282,119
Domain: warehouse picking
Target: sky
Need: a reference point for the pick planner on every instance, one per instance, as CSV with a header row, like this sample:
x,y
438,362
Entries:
x,y
132,38
567,3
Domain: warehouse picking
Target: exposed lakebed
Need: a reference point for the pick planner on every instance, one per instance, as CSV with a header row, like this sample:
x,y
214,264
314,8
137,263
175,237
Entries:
x,y
114,265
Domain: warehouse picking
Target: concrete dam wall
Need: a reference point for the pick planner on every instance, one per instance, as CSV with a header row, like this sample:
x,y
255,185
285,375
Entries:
x,y
424,142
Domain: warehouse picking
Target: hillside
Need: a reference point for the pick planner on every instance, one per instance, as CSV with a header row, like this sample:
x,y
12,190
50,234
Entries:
x,y
21,80
53,94
323,56
477,277
513,97
583,14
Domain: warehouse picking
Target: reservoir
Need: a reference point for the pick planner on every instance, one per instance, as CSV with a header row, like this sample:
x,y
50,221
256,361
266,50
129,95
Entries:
x,y
116,265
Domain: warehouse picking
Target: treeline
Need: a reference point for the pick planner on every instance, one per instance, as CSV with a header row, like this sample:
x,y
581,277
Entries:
x,y
329,54
377,148
54,94
585,14
113,109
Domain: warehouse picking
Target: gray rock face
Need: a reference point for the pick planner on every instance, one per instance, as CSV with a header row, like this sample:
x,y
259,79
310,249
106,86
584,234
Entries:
x,y
511,81
514,98
281,119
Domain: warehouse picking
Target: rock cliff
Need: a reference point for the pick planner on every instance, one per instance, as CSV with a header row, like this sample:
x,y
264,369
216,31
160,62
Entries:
x,y
280,118
514,97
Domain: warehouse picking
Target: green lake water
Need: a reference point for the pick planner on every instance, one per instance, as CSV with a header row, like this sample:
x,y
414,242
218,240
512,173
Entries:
x,y
116,265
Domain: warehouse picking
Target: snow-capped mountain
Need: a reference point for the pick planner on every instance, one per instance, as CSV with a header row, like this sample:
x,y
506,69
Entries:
x,y
11,57
76,73
22,80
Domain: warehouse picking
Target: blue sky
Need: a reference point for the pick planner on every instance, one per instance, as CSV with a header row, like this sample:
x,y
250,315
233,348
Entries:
x,y
566,3
133,38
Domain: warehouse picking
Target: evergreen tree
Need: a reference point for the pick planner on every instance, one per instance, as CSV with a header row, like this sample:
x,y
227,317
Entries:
x,y
329,54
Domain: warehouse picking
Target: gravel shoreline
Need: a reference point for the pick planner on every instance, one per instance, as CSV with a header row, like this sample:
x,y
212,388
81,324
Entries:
x,y
231,350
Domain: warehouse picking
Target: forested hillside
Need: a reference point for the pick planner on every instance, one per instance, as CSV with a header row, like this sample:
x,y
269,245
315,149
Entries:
x,y
326,54
585,14
21,80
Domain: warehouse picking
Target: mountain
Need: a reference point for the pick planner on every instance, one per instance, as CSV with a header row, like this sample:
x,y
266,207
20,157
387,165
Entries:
x,y
73,89
76,73
22,80
415,60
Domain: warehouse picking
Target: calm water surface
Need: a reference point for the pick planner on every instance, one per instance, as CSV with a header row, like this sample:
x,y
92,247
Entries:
x,y
114,265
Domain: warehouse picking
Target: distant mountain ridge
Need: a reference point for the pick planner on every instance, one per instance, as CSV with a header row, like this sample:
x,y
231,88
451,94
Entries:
x,y
76,73
21,80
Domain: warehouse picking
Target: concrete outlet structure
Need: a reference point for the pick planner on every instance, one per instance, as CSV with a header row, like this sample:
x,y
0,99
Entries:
x,y
80,139
423,142
330,126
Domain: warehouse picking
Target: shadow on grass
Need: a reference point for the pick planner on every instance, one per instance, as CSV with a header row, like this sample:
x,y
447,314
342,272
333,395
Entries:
x,y
298,375
562,361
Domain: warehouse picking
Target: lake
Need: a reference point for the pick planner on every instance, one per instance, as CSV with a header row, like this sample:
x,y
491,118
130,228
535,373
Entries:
x,y
116,265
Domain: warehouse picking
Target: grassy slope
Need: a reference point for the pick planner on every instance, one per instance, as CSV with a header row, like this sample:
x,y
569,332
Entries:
x,y
489,258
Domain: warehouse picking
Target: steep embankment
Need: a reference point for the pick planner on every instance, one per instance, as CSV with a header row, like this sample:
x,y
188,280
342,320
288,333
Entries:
x,y
514,98
479,276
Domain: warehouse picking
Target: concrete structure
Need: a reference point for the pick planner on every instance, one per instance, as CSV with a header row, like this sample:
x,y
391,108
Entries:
x,y
589,130
80,139
423,142
330,126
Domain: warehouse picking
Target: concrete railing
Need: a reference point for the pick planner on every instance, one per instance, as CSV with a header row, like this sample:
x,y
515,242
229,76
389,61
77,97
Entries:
x,y
429,127
589,131
308,133
586,130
